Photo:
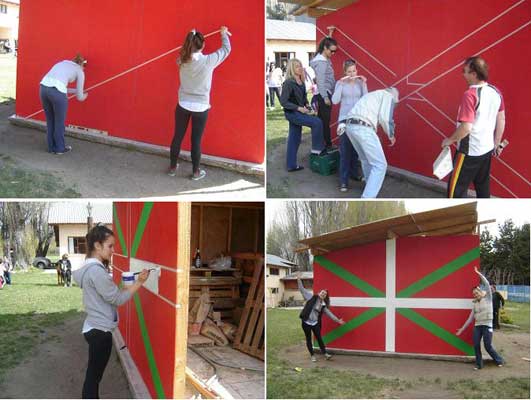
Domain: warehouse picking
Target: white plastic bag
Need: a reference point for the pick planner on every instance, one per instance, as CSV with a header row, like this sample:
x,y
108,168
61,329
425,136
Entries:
x,y
443,165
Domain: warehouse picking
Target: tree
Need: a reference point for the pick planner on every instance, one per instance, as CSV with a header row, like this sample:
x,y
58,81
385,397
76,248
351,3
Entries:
x,y
277,11
303,219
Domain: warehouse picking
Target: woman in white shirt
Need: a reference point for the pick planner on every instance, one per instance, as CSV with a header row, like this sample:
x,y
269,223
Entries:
x,y
54,97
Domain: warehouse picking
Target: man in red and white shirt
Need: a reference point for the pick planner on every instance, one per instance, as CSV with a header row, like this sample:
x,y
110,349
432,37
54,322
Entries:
x,y
480,126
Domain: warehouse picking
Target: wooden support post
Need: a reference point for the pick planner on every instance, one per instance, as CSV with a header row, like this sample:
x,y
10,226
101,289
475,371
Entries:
x,y
184,217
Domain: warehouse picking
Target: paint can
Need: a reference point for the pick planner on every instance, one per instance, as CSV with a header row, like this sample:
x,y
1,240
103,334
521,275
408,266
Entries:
x,y
128,278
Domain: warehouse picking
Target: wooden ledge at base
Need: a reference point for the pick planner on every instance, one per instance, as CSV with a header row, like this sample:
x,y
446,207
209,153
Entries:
x,y
401,355
243,167
137,386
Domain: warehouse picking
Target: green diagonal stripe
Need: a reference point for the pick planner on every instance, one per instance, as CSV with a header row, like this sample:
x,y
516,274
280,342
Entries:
x,y
440,273
120,233
349,277
436,330
149,350
140,227
352,324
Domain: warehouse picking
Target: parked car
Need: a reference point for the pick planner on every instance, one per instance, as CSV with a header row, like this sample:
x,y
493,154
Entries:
x,y
43,263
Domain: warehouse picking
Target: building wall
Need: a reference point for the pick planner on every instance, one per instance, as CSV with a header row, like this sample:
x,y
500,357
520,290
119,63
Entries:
x,y
412,33
408,295
147,234
299,47
291,289
273,281
120,34
9,22
72,230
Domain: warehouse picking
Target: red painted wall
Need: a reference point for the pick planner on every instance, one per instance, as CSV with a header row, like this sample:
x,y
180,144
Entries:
x,y
158,244
404,34
415,258
117,35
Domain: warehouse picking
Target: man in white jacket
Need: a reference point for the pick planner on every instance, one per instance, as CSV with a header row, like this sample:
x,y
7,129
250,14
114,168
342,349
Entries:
x,y
373,109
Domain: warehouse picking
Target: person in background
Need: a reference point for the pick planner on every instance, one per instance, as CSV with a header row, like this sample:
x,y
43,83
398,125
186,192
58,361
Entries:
x,y
101,297
8,267
348,91
497,302
274,83
195,75
324,76
311,314
482,315
54,97
299,113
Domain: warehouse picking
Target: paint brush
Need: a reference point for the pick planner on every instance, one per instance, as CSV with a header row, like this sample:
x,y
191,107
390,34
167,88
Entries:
x,y
151,269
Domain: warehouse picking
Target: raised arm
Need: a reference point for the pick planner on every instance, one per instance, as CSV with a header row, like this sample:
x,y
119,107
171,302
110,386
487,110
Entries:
x,y
216,58
485,282
306,294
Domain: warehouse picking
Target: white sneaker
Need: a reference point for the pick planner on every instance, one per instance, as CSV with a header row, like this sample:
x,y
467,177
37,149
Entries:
x,y
313,358
328,356
199,175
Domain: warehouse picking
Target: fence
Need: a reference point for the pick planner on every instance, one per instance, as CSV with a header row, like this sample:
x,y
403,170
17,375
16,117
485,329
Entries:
x,y
517,293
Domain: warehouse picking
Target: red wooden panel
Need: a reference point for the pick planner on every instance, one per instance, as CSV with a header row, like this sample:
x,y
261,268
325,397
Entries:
x,y
121,216
120,34
414,32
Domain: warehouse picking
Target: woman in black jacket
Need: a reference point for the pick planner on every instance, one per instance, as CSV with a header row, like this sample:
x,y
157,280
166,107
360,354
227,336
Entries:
x,y
299,113
311,315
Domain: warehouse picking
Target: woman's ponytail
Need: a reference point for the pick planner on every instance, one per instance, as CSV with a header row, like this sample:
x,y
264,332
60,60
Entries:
x,y
193,42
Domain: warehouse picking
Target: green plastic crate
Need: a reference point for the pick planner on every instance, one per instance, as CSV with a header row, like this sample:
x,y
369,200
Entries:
x,y
326,164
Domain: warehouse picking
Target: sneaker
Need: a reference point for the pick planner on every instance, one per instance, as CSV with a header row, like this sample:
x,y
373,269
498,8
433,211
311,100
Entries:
x,y
172,171
198,175
343,188
66,150
328,356
313,358
476,368
500,365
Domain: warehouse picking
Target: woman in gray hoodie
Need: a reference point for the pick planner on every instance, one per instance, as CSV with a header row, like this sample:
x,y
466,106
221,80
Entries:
x,y
195,75
482,314
101,297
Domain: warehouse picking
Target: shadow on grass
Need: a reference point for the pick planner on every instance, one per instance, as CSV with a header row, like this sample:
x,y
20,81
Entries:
x,y
22,333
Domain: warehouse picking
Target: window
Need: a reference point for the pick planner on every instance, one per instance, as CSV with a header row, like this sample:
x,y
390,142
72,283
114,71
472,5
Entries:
x,y
311,54
274,271
77,245
3,9
274,290
282,58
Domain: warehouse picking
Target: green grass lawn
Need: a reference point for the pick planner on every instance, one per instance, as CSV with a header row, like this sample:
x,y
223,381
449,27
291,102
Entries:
x,y
16,182
8,77
283,381
31,304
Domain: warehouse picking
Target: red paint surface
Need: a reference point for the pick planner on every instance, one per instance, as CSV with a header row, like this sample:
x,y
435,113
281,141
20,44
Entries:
x,y
417,257
366,262
411,32
121,211
159,246
120,34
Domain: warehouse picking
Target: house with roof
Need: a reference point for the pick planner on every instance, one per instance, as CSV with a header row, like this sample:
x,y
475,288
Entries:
x,y
289,39
71,220
292,294
277,269
9,12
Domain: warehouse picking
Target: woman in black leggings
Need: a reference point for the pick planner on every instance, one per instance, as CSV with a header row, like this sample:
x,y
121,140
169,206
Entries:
x,y
195,75
311,315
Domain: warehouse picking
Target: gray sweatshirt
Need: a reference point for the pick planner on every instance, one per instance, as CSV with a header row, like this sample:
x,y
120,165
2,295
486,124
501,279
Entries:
x,y
62,74
348,94
314,314
324,75
481,309
196,74
101,296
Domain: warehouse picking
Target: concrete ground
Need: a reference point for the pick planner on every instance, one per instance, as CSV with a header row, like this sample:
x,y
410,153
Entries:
x,y
101,171
241,384
57,369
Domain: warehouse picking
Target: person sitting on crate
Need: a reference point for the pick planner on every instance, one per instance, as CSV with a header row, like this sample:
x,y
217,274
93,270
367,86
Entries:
x,y
373,109
66,268
299,113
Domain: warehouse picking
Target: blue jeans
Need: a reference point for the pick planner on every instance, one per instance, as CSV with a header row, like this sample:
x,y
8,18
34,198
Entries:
x,y
348,166
55,105
485,332
372,157
296,121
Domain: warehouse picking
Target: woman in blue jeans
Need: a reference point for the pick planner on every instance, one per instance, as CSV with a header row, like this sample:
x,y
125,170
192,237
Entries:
x,y
299,113
348,91
482,314
54,97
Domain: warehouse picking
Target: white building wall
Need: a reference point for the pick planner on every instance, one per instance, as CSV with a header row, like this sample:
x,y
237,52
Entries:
x,y
9,22
274,281
72,230
300,48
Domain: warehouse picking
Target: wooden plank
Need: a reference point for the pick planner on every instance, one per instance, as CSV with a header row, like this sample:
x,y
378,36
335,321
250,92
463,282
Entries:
x,y
198,384
229,236
184,216
200,341
215,231
256,310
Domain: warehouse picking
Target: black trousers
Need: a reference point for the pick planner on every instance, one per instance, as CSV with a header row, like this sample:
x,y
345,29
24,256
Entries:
x,y
316,329
324,113
496,318
182,118
100,346
467,170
